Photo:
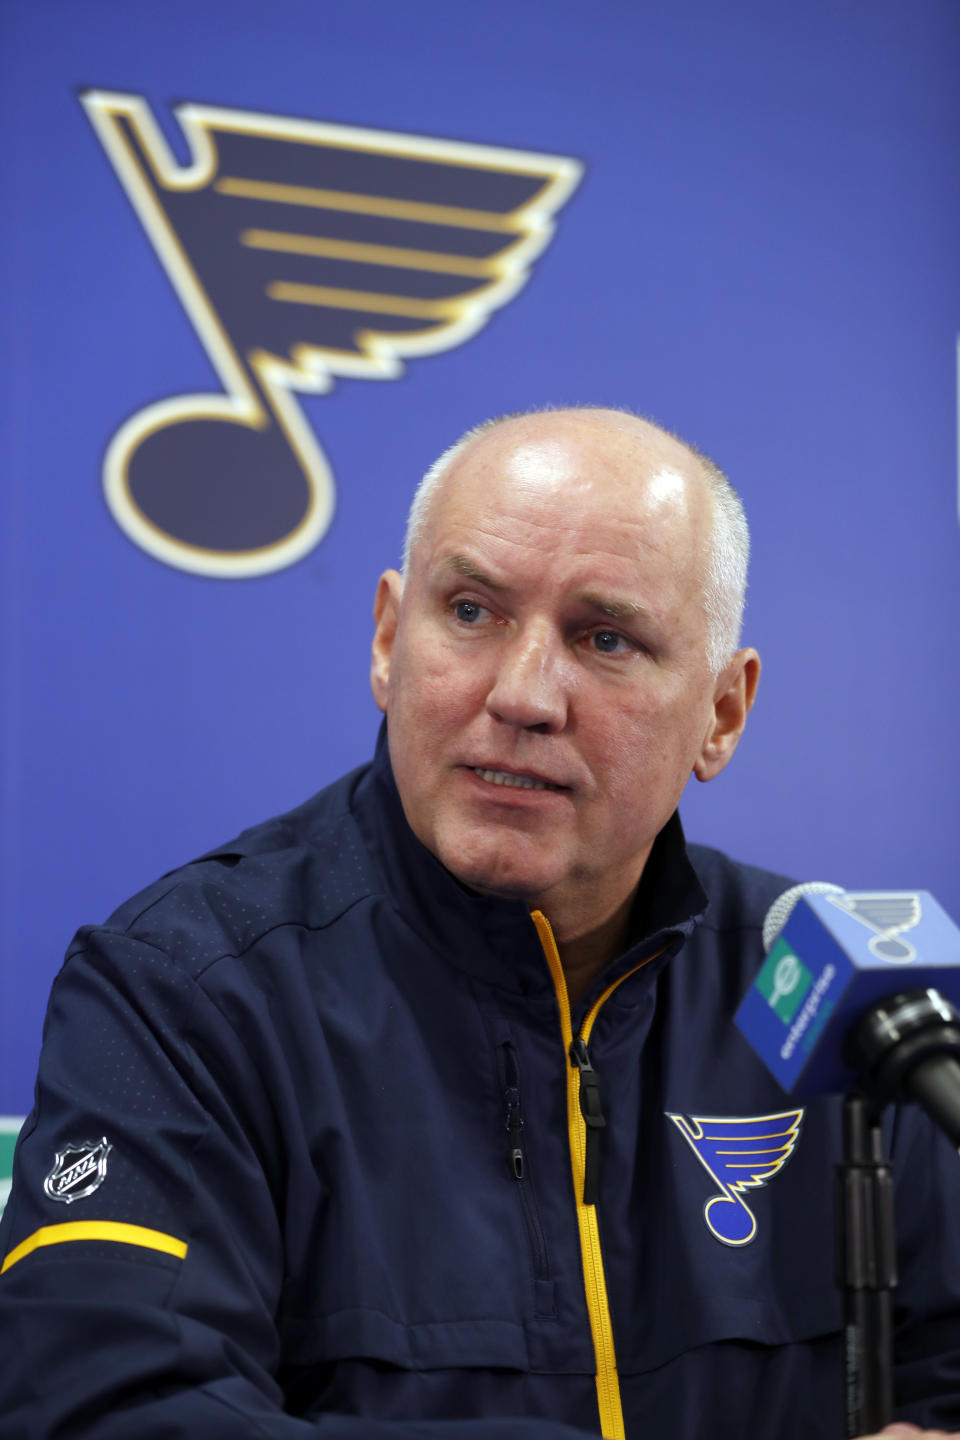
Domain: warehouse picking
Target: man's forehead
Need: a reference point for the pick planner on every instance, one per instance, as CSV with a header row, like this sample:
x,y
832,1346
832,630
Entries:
x,y
568,449
600,490
611,426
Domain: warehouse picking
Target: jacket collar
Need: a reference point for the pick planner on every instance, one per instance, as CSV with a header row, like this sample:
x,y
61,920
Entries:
x,y
494,939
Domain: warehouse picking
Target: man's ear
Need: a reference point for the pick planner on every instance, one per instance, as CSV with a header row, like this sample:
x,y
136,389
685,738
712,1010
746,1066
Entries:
x,y
734,694
386,615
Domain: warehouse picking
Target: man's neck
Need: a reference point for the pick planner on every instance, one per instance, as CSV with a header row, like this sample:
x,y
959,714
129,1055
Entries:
x,y
584,956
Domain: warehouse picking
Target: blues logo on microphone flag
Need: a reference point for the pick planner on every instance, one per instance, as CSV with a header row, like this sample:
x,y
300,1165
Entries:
x,y
739,1154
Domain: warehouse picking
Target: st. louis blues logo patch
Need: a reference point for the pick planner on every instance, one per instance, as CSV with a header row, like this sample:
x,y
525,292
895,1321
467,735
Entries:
x,y
739,1155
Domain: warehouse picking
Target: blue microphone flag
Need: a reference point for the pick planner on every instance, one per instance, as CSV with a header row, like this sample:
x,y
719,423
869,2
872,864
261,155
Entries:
x,y
836,955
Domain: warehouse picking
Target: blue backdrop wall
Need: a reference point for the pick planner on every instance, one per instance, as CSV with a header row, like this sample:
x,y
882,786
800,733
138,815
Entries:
x,y
740,219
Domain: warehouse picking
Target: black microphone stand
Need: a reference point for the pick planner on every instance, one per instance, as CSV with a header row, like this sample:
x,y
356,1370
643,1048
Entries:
x,y
866,1268
906,1047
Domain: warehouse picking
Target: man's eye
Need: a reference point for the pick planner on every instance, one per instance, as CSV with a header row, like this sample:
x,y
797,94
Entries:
x,y
608,642
468,611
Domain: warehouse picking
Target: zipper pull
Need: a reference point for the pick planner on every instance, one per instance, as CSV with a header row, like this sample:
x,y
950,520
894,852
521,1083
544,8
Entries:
x,y
592,1113
514,1130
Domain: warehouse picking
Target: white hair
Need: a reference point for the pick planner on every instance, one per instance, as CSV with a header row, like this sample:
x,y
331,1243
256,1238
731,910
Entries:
x,y
728,556
725,582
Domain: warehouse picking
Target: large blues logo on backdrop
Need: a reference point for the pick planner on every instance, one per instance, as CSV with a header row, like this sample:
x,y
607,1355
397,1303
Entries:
x,y
301,251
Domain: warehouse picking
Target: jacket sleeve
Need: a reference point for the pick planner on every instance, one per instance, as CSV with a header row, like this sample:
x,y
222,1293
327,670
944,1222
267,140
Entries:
x,y
143,1254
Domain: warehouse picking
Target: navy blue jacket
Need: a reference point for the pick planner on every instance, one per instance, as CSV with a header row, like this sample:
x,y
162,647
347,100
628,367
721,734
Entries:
x,y
315,1158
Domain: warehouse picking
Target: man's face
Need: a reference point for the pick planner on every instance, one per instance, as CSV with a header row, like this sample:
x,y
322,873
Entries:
x,y
543,670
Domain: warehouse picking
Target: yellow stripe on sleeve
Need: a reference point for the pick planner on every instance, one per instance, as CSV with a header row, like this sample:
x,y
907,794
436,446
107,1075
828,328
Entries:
x,y
96,1230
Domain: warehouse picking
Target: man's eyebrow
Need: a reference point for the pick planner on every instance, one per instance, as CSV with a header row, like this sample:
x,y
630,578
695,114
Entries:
x,y
463,565
589,599
616,609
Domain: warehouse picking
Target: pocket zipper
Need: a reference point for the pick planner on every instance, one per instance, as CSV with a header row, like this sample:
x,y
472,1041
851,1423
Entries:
x,y
518,1165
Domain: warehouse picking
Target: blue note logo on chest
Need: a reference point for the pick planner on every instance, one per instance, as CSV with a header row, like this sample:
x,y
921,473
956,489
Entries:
x,y
739,1154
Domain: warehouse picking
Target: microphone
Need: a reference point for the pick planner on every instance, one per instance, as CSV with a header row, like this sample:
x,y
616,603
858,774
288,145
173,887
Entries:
x,y
855,996
858,991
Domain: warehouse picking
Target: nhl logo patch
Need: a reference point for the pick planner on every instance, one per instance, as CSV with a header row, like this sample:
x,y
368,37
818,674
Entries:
x,y
80,1168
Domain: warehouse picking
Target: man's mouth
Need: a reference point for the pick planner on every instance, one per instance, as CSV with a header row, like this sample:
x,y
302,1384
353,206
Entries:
x,y
514,782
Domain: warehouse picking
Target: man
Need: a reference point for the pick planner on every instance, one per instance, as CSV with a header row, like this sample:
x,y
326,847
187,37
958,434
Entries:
x,y
382,1121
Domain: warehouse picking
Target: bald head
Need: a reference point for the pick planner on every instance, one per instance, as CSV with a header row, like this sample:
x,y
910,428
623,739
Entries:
x,y
667,465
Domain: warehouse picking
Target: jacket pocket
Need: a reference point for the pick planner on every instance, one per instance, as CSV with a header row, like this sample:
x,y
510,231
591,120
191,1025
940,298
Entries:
x,y
518,1164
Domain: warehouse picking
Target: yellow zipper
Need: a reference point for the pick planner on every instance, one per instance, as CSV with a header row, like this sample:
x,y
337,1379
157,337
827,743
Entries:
x,y
594,1280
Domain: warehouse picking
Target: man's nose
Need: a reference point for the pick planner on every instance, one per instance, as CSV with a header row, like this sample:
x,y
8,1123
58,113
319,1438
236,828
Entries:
x,y
530,687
